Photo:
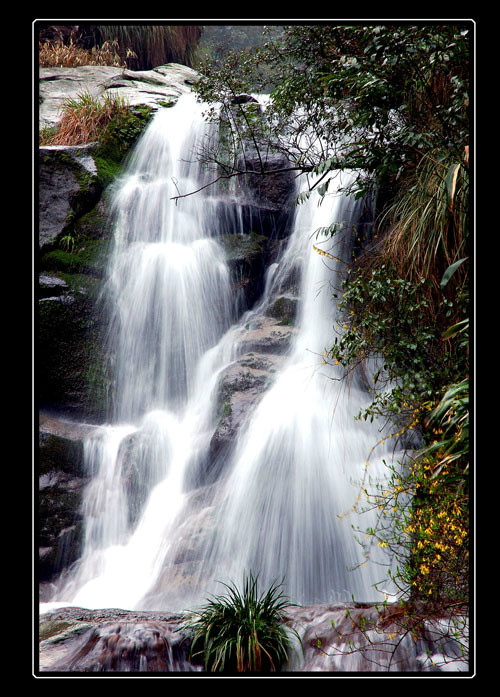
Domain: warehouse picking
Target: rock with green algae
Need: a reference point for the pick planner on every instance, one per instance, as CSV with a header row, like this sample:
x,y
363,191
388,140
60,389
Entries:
x,y
68,186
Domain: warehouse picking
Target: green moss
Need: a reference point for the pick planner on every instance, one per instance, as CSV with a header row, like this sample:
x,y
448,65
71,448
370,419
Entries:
x,y
226,409
60,260
119,137
283,309
50,628
87,257
108,168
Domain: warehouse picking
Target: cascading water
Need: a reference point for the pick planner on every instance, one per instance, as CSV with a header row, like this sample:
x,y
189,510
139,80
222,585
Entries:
x,y
300,457
301,460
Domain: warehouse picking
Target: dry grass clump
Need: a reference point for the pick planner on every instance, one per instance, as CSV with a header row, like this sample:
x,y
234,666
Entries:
x,y
140,47
84,119
57,54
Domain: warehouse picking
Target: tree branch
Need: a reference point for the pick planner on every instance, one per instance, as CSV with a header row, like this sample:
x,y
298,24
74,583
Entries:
x,y
268,172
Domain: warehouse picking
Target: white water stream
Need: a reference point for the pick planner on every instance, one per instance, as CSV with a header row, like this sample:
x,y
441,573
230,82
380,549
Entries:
x,y
300,458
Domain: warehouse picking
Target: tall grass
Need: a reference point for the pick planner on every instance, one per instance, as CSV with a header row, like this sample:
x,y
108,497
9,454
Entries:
x,y
428,221
152,45
137,47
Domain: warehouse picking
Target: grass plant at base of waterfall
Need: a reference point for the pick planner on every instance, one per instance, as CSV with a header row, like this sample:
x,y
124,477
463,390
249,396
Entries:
x,y
243,631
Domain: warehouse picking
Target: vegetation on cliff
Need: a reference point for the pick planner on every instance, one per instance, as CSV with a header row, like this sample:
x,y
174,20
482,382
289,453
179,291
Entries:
x,y
391,103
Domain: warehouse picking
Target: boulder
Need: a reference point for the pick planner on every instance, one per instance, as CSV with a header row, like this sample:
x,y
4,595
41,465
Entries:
x,y
247,256
263,347
263,189
241,386
86,641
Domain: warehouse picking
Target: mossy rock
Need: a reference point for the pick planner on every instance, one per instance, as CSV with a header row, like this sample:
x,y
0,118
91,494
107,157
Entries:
x,y
72,365
283,308
243,248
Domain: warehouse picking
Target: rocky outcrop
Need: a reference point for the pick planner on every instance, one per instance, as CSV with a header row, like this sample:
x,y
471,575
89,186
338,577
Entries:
x,y
263,346
68,186
161,86
338,638
74,235
72,366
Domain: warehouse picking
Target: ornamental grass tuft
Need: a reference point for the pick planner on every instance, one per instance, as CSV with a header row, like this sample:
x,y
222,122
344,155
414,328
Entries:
x,y
242,631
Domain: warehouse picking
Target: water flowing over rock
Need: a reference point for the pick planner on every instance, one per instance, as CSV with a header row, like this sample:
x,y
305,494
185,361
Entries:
x,y
340,638
233,407
229,444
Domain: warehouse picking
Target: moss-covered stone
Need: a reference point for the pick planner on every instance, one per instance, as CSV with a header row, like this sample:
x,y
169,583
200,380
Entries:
x,y
117,141
283,308
243,248
72,367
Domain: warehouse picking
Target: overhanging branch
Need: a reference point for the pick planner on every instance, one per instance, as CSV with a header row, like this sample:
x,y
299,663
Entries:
x,y
264,172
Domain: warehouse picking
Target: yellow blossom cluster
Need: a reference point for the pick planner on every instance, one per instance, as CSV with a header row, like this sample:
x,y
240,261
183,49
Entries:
x,y
322,253
439,533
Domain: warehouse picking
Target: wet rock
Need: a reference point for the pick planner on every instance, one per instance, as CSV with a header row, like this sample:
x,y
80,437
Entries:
x,y
341,638
71,360
263,188
86,641
268,336
51,285
241,386
243,99
247,256
62,480
365,638
284,309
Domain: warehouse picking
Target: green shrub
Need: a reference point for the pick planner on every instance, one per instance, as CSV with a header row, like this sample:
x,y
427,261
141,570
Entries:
x,y
242,631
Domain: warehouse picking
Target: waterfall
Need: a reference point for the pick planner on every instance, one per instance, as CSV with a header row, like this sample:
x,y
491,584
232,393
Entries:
x,y
154,539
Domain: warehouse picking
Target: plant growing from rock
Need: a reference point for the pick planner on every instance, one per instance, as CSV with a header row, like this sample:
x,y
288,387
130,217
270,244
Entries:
x,y
242,631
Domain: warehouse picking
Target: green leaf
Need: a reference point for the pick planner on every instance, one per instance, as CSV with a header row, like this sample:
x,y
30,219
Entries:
x,y
450,271
455,329
451,182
